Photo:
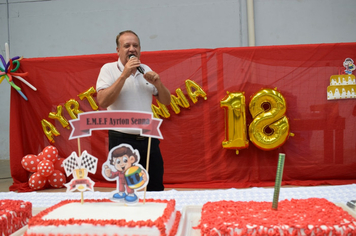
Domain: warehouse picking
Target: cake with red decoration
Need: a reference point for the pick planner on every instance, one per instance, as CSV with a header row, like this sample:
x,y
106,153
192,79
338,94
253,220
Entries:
x,y
314,216
104,217
14,214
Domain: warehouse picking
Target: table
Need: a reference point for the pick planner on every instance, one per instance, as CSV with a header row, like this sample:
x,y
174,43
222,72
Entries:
x,y
336,194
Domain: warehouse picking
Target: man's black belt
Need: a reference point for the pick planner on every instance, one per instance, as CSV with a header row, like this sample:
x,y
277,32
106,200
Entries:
x,y
127,136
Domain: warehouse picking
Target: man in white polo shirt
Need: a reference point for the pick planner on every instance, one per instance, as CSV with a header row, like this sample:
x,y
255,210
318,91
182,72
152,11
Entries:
x,y
121,86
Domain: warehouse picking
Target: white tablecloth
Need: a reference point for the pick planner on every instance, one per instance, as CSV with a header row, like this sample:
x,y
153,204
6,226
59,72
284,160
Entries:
x,y
336,194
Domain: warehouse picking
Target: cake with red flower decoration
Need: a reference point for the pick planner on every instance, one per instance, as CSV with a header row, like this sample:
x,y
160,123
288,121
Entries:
x,y
314,216
14,214
104,217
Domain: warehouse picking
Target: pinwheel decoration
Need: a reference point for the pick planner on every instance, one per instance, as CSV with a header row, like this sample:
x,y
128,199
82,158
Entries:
x,y
8,68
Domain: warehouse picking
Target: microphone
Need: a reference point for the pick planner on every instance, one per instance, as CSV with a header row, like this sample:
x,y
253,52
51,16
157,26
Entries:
x,y
140,69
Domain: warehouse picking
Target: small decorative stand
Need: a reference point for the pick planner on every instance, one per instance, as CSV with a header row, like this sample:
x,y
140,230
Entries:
x,y
79,167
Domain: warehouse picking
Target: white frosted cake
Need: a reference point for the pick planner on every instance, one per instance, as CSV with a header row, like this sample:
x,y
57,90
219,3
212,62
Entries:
x,y
314,216
104,217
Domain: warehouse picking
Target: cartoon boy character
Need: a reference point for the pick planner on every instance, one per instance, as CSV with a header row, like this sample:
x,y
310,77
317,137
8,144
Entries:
x,y
129,174
349,66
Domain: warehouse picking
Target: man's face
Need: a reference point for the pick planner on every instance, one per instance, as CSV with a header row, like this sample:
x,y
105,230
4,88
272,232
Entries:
x,y
128,44
123,163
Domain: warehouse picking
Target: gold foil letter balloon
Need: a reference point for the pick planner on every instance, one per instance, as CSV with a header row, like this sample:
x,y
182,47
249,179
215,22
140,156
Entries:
x,y
49,130
89,96
235,121
194,91
72,107
270,127
58,116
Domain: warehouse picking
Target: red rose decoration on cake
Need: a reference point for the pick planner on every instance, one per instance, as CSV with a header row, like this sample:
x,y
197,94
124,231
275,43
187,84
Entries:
x,y
45,169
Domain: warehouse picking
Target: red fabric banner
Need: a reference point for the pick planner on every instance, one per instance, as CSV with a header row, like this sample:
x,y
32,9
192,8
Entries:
x,y
322,150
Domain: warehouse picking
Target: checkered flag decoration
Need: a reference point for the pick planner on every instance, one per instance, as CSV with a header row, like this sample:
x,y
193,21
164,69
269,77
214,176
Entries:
x,y
85,161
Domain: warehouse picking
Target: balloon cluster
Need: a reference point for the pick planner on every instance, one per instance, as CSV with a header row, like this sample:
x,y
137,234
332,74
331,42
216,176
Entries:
x,y
46,168
8,68
7,71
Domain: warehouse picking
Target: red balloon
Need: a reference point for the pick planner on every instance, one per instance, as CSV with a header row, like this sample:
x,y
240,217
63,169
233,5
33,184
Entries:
x,y
58,165
50,153
37,181
30,162
45,168
57,179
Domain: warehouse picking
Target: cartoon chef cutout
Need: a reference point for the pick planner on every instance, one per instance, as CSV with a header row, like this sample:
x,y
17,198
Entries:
x,y
122,165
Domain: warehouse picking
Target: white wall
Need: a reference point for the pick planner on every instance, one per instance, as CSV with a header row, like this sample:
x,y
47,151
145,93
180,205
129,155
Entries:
x,y
78,27
281,22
